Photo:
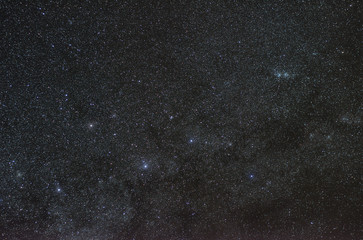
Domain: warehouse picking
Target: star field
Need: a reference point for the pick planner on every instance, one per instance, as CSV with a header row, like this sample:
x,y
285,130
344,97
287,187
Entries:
x,y
177,120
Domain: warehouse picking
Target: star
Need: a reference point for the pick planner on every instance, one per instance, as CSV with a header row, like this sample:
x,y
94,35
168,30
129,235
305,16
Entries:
x,y
91,125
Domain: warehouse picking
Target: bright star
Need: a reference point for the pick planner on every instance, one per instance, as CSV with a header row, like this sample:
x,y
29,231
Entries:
x,y
91,125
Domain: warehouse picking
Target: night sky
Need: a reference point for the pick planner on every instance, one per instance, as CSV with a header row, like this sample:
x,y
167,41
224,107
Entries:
x,y
181,120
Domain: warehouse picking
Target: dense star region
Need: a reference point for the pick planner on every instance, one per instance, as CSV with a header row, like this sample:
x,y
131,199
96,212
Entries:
x,y
181,120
